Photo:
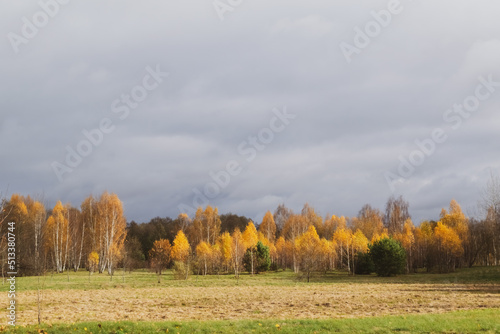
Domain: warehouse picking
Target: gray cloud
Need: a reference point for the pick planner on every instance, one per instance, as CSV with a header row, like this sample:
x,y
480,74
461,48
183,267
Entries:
x,y
353,120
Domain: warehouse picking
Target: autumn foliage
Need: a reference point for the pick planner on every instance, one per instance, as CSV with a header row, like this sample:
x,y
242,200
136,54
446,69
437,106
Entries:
x,y
65,237
96,236
160,255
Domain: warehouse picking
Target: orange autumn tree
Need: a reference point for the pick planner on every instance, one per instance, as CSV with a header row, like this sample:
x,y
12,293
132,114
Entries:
x,y
32,235
281,252
309,251
343,239
312,218
76,238
456,219
92,262
181,251
295,226
449,247
112,230
250,239
451,235
91,226
58,236
237,251
359,244
268,227
225,243
160,256
204,255
250,235
407,240
180,248
15,211
332,224
423,245
216,258
383,235
369,221
328,253
205,226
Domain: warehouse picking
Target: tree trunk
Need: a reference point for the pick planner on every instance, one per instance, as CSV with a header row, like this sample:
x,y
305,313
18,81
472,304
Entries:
x,y
341,255
353,265
251,259
348,259
81,247
39,306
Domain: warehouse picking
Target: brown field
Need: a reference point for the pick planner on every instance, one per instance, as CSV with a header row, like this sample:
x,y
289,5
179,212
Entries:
x,y
301,301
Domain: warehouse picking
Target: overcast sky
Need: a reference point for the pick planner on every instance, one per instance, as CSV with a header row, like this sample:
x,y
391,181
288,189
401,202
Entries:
x,y
294,101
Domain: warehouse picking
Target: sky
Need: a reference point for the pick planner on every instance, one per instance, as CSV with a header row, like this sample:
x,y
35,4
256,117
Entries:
x,y
245,105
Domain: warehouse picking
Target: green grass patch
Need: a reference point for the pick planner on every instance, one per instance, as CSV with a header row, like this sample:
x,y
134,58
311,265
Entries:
x,y
478,321
146,279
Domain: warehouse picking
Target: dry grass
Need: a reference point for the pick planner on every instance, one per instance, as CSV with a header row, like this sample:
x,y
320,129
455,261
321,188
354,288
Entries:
x,y
300,301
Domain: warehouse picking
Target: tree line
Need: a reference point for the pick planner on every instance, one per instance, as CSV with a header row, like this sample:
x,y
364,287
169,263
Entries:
x,y
64,237
97,237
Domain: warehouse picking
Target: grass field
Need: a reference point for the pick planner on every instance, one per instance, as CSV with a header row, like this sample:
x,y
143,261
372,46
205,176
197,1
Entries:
x,y
483,321
334,302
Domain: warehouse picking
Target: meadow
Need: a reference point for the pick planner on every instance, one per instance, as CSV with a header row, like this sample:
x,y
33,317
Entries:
x,y
467,300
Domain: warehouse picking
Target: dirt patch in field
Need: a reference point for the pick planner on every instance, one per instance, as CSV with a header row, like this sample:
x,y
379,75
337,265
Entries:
x,y
318,301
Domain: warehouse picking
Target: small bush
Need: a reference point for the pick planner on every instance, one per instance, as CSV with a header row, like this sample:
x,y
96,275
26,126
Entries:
x,y
181,270
388,256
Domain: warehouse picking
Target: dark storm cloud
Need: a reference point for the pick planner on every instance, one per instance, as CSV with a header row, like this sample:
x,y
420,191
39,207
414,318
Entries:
x,y
353,120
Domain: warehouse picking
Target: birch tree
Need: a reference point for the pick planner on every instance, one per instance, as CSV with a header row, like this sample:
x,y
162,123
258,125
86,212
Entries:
x,y
369,221
204,255
250,239
343,239
58,235
396,214
237,251
206,226
309,251
112,230
92,232
225,243
268,226
37,218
